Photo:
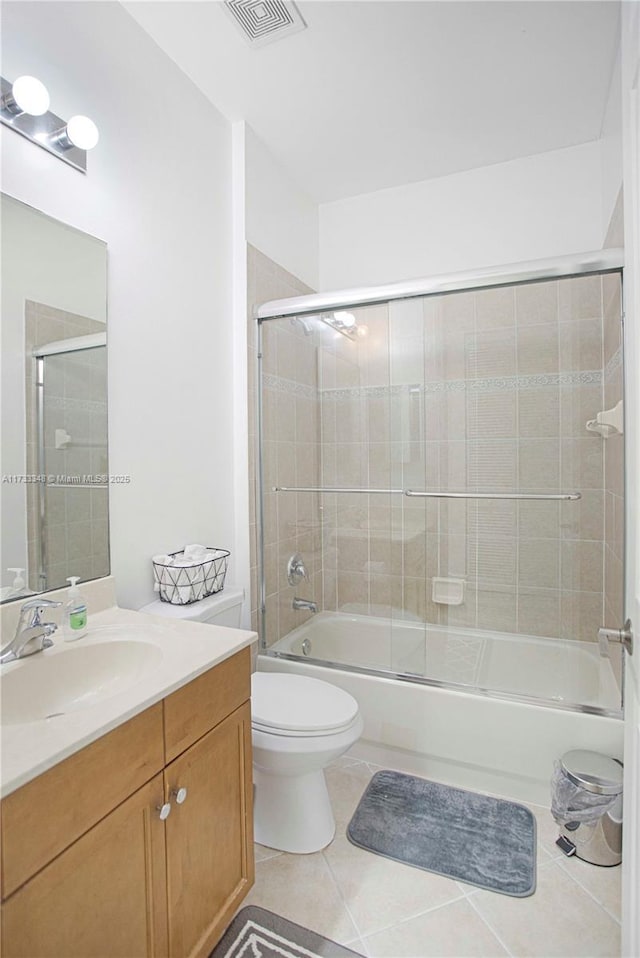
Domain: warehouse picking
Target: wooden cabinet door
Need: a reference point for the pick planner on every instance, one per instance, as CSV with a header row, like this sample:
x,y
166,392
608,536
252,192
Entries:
x,y
209,835
104,897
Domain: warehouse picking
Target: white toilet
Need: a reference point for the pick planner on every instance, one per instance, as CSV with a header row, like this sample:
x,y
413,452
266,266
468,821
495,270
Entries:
x,y
299,725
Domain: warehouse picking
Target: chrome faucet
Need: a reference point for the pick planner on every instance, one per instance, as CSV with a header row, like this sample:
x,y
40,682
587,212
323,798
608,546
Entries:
x,y
305,604
296,569
32,634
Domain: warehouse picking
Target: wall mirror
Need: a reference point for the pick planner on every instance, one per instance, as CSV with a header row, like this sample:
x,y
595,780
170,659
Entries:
x,y
54,457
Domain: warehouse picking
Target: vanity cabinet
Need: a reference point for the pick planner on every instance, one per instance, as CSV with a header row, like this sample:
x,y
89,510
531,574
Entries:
x,y
208,855
89,868
104,895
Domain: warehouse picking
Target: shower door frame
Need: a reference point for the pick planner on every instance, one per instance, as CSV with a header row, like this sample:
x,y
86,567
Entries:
x,y
564,267
75,344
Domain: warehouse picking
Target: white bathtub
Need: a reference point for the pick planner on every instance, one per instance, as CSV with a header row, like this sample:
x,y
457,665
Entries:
x,y
475,732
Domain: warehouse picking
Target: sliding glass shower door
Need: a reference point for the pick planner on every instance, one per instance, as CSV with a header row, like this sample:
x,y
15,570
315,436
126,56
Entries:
x,y
450,468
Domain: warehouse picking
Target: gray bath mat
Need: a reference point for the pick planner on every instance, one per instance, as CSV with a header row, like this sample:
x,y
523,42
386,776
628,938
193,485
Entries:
x,y
257,933
473,838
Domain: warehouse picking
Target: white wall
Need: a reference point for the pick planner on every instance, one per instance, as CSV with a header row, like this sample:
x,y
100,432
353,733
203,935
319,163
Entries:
x,y
539,206
281,220
158,190
611,145
631,156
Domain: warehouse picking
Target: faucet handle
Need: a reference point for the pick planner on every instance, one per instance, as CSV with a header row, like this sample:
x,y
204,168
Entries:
x,y
296,569
37,607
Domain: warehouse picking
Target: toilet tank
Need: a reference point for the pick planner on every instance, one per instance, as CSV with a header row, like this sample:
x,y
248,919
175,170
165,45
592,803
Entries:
x,y
223,608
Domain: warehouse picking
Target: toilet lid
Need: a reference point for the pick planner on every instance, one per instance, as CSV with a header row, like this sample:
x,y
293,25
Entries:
x,y
296,703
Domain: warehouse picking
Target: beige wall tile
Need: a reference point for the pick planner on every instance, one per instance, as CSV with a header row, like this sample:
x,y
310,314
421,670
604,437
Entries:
x,y
612,315
538,464
580,298
491,464
538,612
536,303
538,412
489,415
582,565
352,588
492,559
579,404
497,610
489,517
583,518
582,464
581,615
580,344
495,308
537,350
539,563
614,465
491,352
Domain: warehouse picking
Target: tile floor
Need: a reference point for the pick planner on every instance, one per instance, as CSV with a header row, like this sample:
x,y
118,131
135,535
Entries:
x,y
382,908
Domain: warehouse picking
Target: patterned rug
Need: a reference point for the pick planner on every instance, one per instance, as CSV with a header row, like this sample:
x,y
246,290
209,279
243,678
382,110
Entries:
x,y
257,933
472,838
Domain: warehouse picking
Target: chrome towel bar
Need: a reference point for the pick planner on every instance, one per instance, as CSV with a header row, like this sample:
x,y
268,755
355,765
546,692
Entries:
x,y
438,494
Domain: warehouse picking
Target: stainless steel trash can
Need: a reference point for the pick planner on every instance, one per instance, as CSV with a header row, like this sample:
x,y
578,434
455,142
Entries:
x,y
598,842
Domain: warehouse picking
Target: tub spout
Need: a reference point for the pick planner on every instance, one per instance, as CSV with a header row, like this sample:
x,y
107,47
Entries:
x,y
305,604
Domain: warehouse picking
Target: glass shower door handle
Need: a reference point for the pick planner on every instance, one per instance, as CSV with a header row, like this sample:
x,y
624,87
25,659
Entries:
x,y
624,636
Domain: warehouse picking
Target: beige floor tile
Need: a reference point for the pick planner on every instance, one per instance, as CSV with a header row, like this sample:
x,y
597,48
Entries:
x,y
262,853
603,883
560,919
456,930
379,892
346,786
546,832
302,889
345,761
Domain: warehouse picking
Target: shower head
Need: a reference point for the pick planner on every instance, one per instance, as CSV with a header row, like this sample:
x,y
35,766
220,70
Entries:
x,y
304,323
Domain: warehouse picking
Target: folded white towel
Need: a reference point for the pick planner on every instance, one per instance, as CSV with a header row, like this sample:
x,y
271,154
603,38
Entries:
x,y
194,551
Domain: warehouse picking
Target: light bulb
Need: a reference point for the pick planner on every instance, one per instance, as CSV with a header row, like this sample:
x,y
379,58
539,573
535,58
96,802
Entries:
x,y
345,319
82,132
30,95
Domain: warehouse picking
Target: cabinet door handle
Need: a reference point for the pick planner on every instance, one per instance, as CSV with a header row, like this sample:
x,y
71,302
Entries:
x,y
164,810
179,794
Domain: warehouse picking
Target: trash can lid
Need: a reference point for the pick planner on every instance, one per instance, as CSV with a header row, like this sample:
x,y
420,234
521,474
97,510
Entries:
x,y
593,772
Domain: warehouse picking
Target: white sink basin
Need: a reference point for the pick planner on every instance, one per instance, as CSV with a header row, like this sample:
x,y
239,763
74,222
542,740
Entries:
x,y
46,685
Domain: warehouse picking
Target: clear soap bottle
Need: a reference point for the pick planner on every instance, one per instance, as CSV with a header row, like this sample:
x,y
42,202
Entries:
x,y
75,618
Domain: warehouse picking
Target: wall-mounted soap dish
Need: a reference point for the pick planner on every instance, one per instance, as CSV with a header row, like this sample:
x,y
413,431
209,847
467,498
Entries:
x,y
447,591
608,423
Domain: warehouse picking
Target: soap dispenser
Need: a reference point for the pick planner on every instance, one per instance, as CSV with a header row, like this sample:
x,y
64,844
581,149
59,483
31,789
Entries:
x,y
75,618
18,581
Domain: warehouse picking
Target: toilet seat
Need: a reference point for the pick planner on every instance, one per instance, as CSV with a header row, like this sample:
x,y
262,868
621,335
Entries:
x,y
296,705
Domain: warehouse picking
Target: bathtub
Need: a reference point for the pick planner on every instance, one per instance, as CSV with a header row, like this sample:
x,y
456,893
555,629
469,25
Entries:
x,y
483,710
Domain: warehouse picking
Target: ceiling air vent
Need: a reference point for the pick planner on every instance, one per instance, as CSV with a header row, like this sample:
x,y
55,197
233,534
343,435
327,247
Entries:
x,y
265,21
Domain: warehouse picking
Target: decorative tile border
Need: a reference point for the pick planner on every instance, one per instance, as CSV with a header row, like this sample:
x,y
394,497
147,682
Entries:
x,y
494,384
289,387
589,377
614,364
84,405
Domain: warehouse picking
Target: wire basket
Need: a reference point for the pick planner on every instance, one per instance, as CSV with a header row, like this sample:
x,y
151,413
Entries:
x,y
184,584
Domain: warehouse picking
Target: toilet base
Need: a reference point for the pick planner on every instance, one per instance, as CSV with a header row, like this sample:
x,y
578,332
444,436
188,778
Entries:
x,y
292,813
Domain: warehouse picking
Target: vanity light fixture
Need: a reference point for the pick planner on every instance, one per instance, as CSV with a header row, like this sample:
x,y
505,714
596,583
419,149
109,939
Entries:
x,y
24,107
27,95
342,322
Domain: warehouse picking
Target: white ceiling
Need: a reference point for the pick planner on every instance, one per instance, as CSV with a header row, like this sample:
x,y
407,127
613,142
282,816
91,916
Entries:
x,y
379,93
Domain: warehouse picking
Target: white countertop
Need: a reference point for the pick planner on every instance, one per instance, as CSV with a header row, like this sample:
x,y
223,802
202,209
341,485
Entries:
x,y
186,650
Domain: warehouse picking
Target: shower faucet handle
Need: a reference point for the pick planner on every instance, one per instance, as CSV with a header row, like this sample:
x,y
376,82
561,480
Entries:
x,y
296,569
